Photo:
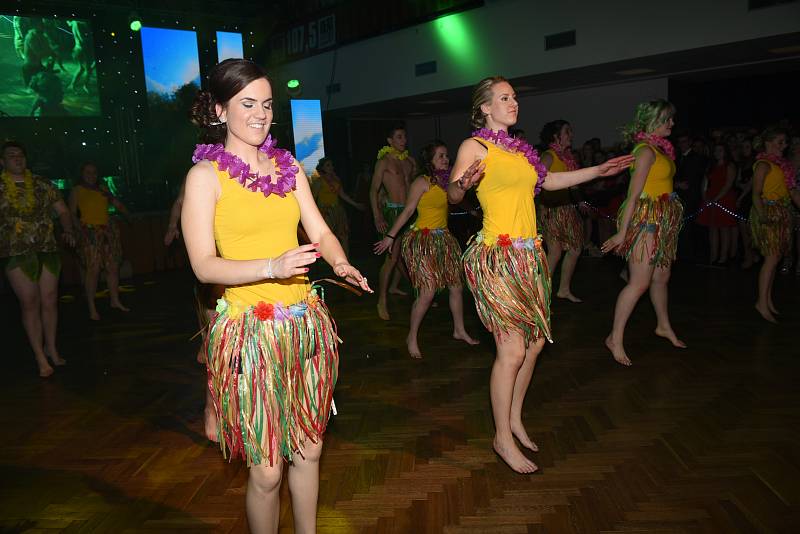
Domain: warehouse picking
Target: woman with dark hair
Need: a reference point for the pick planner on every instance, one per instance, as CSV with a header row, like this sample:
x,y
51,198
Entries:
x,y
719,203
774,190
99,246
327,190
561,224
648,223
272,346
28,250
429,249
505,265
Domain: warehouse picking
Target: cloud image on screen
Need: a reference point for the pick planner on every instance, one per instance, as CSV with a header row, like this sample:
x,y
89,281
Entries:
x,y
229,45
170,60
307,127
48,67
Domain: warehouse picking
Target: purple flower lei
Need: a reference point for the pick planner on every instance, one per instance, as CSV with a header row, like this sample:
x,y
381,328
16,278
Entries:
x,y
659,142
240,171
516,146
441,177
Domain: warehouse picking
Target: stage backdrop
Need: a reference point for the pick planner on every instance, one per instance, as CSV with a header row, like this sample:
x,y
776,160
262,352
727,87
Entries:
x,y
47,66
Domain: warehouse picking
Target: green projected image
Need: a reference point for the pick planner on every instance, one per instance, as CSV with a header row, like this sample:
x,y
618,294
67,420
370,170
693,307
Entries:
x,y
47,67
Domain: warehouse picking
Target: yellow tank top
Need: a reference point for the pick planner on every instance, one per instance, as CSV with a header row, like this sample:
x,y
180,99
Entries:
x,y
327,195
432,208
249,226
659,178
506,195
774,182
92,205
552,199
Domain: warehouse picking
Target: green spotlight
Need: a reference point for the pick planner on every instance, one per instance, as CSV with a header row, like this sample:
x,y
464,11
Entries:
x,y
136,24
293,84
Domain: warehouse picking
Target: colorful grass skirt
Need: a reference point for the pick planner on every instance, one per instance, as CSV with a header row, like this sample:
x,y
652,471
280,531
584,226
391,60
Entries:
x,y
510,282
661,218
561,225
772,229
99,245
271,372
433,258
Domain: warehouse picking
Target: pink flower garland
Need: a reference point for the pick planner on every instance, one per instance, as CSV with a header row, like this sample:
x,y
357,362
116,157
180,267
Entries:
x,y
441,177
657,141
565,154
784,165
240,171
516,146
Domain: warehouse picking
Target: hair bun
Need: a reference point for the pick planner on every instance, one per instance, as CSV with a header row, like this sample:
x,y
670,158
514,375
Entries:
x,y
203,113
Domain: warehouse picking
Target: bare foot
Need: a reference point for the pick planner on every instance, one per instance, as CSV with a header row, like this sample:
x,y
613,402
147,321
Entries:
x,y
463,336
44,368
94,316
511,455
413,349
618,352
118,305
569,296
772,308
669,334
383,312
211,423
519,432
766,314
397,291
56,358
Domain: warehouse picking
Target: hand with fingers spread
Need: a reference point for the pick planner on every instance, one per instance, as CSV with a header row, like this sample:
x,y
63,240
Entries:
x,y
351,275
613,243
383,245
615,165
472,175
292,262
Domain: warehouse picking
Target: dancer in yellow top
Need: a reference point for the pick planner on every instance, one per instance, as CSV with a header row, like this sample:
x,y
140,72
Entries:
x,y
272,347
99,246
774,190
505,266
328,191
648,224
561,225
429,249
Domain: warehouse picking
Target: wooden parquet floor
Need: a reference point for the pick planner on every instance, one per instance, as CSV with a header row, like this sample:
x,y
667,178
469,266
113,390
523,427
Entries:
x,y
702,440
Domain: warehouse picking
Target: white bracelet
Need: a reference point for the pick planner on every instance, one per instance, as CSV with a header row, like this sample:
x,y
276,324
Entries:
x,y
269,273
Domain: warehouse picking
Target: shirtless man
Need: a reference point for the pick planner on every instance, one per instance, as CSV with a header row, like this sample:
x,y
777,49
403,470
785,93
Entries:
x,y
393,172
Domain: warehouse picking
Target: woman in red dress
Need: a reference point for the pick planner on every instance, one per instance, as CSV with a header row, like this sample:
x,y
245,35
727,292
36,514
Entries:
x,y
720,205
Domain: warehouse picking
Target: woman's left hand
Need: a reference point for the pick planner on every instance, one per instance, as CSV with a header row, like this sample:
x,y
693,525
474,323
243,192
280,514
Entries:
x,y
615,165
351,275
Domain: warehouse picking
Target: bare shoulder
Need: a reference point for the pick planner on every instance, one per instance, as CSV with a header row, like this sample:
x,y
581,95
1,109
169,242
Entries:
x,y
472,147
202,175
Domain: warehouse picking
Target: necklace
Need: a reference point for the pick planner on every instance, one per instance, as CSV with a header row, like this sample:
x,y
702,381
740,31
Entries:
x,y
565,155
441,177
657,141
240,171
783,164
12,194
516,146
393,151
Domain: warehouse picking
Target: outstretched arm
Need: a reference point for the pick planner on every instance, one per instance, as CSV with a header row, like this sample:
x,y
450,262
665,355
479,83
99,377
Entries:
x,y
174,217
418,188
562,180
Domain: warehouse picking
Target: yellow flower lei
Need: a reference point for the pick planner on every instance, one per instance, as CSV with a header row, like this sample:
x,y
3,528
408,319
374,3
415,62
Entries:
x,y
12,195
393,151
